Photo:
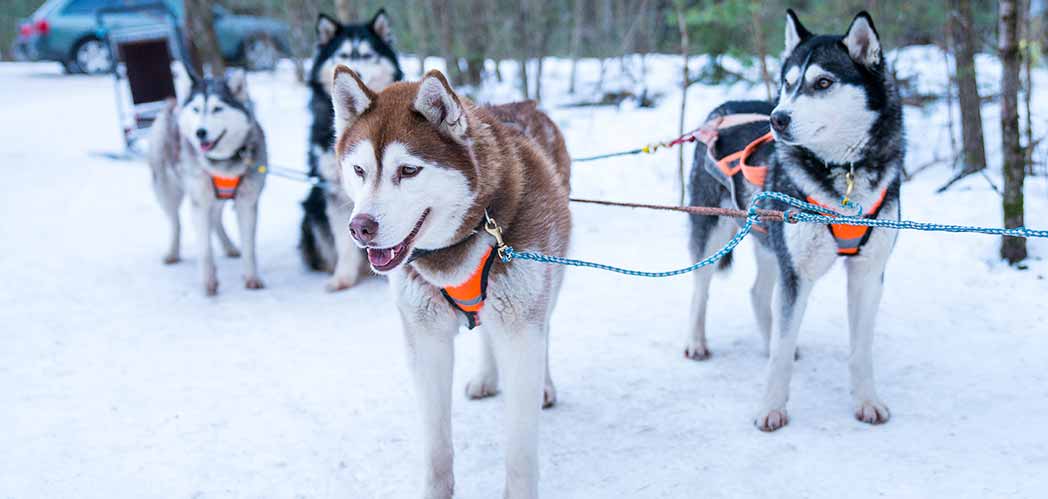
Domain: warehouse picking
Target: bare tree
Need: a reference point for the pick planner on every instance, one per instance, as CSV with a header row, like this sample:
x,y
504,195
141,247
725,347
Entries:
x,y
962,28
203,44
1028,55
524,44
344,11
1013,249
475,41
576,40
682,28
757,26
442,12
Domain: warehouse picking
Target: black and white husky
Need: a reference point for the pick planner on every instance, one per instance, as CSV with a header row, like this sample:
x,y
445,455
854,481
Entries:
x,y
210,147
837,117
366,48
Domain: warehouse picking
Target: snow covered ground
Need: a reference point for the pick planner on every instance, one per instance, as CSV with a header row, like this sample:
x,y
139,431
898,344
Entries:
x,y
119,379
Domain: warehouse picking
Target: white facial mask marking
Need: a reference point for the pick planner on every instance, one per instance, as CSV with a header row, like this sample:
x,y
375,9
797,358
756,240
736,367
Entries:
x,y
814,71
398,206
791,76
231,123
834,124
376,71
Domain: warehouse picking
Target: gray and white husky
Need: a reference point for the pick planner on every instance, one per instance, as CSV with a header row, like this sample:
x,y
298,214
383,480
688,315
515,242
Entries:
x,y
837,116
210,147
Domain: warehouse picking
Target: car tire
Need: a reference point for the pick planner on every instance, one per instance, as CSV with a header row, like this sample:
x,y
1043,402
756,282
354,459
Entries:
x,y
90,56
260,53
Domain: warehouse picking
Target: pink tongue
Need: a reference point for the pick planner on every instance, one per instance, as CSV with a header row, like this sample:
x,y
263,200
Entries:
x,y
205,146
380,257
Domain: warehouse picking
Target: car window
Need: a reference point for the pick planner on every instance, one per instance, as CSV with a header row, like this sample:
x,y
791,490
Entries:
x,y
79,7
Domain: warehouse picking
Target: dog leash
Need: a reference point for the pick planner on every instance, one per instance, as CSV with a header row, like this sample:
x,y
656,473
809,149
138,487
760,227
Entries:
x,y
295,175
803,212
691,136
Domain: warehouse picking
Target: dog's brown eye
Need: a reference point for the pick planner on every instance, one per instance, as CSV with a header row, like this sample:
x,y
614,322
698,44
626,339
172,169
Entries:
x,y
823,83
407,171
358,170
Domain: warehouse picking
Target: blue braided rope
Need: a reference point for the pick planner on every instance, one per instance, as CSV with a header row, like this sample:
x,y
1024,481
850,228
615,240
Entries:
x,y
821,216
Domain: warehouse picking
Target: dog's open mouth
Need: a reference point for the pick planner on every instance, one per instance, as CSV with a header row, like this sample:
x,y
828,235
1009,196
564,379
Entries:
x,y
386,259
207,145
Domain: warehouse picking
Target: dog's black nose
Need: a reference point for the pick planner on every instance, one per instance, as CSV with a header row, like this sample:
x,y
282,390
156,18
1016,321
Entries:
x,y
201,133
780,121
363,228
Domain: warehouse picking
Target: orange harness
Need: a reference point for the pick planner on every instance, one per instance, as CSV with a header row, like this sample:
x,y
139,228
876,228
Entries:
x,y
225,187
469,296
850,238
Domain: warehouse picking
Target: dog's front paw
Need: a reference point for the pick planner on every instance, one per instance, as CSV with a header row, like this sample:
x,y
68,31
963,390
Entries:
x,y
872,412
696,350
340,282
482,385
171,259
211,287
771,420
253,283
232,252
549,396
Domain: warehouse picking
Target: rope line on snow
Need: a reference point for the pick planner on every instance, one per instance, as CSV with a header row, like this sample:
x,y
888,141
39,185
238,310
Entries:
x,y
811,214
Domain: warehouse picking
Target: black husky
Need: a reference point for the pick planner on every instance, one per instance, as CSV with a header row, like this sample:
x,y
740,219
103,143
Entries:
x,y
835,132
367,48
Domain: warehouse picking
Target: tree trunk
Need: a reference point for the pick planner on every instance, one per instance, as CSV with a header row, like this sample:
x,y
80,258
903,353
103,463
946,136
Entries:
x,y
762,49
576,42
523,46
1028,55
962,29
344,11
476,41
418,16
1013,249
442,11
682,28
203,44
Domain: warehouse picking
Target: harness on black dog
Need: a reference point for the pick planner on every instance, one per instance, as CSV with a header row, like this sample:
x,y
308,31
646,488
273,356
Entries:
x,y
850,238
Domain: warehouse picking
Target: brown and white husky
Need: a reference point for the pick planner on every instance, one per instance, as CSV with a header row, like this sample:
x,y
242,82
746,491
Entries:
x,y
424,167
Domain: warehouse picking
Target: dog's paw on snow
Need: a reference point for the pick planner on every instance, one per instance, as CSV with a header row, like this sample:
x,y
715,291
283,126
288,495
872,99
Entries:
x,y
171,259
549,396
771,420
696,351
482,385
253,283
211,287
232,252
872,412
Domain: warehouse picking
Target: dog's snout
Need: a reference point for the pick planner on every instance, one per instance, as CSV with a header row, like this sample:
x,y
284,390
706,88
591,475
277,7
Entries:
x,y
201,133
363,228
780,121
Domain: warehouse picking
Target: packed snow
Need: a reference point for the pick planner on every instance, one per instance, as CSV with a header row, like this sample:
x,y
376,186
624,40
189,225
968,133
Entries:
x,y
120,379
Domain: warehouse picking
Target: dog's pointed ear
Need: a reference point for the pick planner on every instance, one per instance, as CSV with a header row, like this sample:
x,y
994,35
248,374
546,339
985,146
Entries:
x,y
327,28
350,97
439,104
183,81
864,45
796,33
236,82
381,26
